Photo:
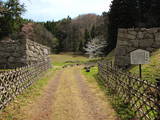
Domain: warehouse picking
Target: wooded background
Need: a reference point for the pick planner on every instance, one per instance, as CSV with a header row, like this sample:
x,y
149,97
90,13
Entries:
x,y
74,34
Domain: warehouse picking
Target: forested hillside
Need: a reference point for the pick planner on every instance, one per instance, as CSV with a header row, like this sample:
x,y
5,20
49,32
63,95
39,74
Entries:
x,y
39,34
74,34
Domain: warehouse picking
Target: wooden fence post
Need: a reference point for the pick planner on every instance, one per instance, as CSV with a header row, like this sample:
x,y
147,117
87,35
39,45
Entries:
x,y
129,89
111,64
158,99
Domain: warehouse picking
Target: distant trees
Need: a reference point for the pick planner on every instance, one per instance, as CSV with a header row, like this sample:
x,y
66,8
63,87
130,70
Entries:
x,y
95,47
93,32
154,14
73,34
40,34
50,26
87,36
101,28
10,17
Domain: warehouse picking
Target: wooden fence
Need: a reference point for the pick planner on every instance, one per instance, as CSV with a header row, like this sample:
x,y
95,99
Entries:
x,y
141,95
14,82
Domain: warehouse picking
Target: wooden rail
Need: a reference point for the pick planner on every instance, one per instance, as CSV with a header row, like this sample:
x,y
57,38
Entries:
x,y
141,95
14,82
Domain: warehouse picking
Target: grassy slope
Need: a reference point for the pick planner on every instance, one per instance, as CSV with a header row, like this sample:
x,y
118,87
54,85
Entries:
x,y
150,71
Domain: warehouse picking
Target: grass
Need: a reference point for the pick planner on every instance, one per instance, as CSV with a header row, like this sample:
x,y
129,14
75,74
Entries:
x,y
14,110
150,71
67,58
92,73
62,59
123,110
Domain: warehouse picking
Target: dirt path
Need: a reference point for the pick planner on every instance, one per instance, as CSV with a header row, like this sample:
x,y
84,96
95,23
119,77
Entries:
x,y
70,97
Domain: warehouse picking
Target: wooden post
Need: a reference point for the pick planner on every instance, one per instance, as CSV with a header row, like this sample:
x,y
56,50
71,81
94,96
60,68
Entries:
x,y
129,89
111,64
140,71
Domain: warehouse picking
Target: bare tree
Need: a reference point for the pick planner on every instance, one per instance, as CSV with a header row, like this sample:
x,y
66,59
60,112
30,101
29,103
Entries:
x,y
95,47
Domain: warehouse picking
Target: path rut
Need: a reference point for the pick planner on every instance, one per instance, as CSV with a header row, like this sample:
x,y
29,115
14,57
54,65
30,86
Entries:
x,y
70,97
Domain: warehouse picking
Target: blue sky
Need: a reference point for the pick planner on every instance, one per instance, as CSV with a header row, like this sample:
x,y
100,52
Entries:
x,y
43,10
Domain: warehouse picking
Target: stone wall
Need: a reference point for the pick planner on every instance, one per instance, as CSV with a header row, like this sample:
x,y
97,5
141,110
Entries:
x,y
18,53
36,52
131,39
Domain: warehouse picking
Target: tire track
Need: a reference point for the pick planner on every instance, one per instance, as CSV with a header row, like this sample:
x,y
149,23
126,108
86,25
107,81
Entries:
x,y
68,104
99,109
42,109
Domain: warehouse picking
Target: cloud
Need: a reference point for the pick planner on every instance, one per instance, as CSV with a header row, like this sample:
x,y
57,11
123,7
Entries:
x,y
43,10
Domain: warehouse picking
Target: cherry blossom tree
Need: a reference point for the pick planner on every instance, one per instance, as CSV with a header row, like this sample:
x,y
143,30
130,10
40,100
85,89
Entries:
x,y
95,47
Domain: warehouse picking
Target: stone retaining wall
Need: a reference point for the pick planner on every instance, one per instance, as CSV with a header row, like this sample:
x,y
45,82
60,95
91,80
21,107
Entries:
x,y
18,53
36,52
132,39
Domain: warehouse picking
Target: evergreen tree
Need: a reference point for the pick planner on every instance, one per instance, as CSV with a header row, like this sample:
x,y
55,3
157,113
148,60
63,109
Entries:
x,y
50,26
93,32
87,37
10,21
154,14
143,7
81,47
122,14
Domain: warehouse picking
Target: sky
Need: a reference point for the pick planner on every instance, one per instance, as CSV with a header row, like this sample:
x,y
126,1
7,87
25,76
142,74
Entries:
x,y
43,10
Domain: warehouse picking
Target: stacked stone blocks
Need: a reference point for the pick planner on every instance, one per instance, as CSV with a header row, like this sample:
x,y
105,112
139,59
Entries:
x,y
18,53
137,38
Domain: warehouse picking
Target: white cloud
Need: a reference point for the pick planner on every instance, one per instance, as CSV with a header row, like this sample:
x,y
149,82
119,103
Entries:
x,y
42,10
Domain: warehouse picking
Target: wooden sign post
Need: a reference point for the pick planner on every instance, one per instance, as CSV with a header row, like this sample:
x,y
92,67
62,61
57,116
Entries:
x,y
140,57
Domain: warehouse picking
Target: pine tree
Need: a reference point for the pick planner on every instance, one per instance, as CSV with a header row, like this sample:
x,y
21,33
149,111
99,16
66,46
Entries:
x,y
143,7
154,14
93,32
81,46
87,37
122,14
10,20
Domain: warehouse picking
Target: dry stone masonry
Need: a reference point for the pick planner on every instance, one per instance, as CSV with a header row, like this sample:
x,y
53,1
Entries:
x,y
131,39
17,53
